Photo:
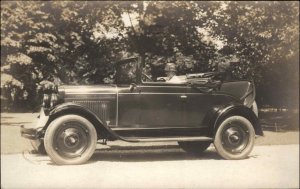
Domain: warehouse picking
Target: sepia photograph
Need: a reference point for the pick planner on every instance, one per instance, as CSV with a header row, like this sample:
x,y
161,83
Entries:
x,y
149,94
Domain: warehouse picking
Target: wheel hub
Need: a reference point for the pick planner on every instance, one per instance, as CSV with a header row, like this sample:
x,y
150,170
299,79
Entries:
x,y
72,140
235,138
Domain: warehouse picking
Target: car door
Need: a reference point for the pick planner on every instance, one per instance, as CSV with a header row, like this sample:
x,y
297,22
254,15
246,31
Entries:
x,y
128,106
198,103
162,105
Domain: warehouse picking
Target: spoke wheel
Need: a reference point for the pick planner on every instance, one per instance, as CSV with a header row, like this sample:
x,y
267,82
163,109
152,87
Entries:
x,y
235,138
70,139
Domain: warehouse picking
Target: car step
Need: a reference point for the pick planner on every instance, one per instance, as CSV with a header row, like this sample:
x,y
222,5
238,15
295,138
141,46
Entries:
x,y
169,139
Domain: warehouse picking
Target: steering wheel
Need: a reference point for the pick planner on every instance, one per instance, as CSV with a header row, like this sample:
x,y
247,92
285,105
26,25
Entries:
x,y
161,79
148,78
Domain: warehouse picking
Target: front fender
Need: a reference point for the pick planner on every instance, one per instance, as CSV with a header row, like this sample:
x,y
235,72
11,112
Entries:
x,y
72,108
222,113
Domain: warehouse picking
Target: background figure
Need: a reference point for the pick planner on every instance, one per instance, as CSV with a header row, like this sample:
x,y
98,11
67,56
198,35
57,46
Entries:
x,y
224,70
170,70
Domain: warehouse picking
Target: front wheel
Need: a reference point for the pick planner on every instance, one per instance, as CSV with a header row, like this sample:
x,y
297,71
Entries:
x,y
234,138
70,139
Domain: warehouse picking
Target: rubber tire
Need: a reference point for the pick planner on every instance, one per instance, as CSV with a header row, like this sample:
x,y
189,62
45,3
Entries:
x,y
38,147
52,129
194,147
254,108
218,139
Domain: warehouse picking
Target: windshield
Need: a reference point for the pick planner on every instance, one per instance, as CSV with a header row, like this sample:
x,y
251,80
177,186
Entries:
x,y
126,72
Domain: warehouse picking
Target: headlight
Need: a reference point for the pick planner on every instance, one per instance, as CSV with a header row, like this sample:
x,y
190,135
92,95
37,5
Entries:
x,y
46,101
50,100
54,99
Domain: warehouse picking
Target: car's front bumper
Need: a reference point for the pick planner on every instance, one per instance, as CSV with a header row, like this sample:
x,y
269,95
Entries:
x,y
35,131
30,133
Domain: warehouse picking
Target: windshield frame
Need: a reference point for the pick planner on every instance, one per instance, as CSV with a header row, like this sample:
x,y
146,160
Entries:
x,y
137,73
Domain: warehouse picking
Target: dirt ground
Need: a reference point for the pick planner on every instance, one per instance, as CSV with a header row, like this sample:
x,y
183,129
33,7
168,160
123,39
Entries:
x,y
275,166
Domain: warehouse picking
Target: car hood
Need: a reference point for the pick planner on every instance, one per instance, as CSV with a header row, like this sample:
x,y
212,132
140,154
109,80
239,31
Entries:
x,y
67,91
88,88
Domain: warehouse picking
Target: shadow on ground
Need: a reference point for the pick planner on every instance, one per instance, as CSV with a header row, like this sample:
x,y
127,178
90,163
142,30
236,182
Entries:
x,y
14,123
150,155
135,154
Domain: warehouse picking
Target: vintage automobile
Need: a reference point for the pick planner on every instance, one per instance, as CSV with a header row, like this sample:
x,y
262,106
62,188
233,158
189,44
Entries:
x,y
199,111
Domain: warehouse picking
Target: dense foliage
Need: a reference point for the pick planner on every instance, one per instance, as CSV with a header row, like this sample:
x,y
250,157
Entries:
x,y
78,43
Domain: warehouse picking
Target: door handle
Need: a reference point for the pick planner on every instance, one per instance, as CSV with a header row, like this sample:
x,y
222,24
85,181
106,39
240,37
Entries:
x,y
183,96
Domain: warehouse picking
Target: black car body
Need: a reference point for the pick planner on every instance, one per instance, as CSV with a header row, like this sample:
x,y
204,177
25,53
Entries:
x,y
138,109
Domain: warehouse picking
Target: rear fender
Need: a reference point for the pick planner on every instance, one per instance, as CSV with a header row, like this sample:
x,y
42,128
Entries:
x,y
72,108
243,90
221,113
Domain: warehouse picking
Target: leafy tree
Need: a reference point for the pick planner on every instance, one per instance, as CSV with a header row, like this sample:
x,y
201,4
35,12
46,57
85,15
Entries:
x,y
61,42
172,33
265,38
78,42
16,65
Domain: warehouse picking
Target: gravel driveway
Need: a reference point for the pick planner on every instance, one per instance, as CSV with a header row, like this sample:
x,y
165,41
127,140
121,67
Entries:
x,y
274,166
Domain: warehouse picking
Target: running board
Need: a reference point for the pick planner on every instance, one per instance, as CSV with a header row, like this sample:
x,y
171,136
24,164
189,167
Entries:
x,y
169,139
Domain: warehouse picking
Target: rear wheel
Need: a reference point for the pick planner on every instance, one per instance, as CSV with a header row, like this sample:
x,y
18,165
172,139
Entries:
x,y
194,147
70,139
235,138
